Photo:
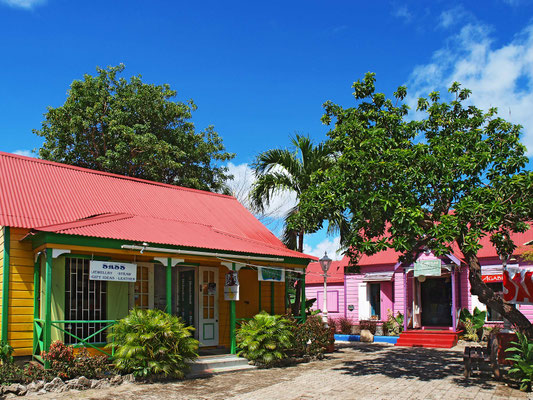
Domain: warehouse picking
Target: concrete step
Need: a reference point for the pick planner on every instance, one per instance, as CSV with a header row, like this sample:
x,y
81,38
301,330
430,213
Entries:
x,y
210,365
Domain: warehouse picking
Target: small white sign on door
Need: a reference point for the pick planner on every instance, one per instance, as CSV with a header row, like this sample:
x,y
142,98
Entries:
x,y
112,271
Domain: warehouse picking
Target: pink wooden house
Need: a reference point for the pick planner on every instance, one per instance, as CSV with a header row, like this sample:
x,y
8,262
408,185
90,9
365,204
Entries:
x,y
429,302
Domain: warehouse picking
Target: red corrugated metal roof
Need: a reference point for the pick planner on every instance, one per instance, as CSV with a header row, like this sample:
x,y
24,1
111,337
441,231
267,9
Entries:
x,y
335,274
390,256
36,193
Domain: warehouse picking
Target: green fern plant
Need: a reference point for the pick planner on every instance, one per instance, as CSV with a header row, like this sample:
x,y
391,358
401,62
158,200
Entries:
x,y
265,339
153,343
473,323
522,359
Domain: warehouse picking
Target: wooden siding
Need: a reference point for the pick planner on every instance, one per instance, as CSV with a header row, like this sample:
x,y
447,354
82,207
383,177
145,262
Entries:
x,y
20,313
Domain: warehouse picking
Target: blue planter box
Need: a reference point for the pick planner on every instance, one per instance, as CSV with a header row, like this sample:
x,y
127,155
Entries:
x,y
347,338
386,339
357,338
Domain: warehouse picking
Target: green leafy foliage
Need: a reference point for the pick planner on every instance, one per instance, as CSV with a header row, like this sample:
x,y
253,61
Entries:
x,y
289,171
151,343
135,129
311,338
6,353
265,339
441,181
67,363
473,323
394,324
522,357
344,325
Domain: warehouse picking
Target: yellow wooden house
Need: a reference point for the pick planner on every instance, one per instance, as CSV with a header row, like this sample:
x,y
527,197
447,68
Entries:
x,y
79,248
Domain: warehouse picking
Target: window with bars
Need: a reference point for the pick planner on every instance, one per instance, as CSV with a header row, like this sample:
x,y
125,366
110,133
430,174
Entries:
x,y
85,300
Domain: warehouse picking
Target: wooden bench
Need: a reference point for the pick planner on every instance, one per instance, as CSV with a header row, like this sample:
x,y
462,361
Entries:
x,y
477,358
490,358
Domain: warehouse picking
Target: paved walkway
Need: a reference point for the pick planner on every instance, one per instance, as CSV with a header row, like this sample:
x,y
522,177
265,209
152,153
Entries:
x,y
360,371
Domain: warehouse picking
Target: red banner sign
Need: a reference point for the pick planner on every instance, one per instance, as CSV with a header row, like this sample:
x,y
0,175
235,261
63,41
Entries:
x,y
492,278
518,285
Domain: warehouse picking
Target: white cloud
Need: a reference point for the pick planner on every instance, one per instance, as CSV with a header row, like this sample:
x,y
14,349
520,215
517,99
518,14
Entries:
x,y
452,16
499,77
27,153
402,12
331,246
244,177
26,4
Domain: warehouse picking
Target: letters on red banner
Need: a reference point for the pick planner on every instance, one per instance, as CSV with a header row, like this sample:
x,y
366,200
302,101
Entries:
x,y
518,286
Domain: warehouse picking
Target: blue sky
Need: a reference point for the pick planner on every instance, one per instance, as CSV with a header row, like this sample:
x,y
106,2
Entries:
x,y
260,71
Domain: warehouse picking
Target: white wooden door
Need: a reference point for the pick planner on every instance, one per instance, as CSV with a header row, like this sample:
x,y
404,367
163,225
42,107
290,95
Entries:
x,y
142,291
364,303
208,306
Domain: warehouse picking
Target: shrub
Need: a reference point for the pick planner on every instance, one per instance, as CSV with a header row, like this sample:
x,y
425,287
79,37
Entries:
x,y
344,325
90,366
473,323
265,339
34,372
10,373
153,343
6,353
333,323
369,325
61,359
67,364
394,325
310,338
522,369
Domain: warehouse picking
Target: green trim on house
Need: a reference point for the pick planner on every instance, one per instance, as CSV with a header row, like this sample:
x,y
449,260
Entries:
x,y
48,305
5,283
36,296
49,238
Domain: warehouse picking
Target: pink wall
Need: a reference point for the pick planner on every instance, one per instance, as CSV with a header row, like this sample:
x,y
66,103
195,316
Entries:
x,y
388,298
392,293
335,298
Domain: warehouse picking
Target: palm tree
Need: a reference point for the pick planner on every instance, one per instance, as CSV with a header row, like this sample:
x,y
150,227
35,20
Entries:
x,y
283,170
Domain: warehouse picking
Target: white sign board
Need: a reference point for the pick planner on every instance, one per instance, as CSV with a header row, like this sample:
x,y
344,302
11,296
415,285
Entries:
x,y
112,271
231,287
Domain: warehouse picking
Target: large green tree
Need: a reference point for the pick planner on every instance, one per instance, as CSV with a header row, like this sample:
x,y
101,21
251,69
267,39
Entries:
x,y
441,182
288,171
132,128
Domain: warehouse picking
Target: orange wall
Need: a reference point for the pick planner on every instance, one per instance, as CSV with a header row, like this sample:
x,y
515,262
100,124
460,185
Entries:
x,y
20,312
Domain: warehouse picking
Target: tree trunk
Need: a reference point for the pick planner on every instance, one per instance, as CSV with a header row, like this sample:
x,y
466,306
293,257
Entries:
x,y
298,297
494,301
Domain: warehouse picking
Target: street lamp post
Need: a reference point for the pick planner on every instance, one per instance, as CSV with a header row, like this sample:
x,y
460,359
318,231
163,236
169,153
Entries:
x,y
325,263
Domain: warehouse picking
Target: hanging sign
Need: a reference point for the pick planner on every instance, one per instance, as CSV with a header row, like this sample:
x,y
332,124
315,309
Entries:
x,y
270,274
492,278
518,285
428,267
231,286
112,271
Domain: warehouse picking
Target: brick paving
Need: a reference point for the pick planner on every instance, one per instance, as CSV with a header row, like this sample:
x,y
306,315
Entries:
x,y
358,371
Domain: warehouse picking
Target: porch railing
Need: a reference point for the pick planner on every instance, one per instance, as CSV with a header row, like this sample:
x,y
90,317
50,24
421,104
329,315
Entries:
x,y
39,328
